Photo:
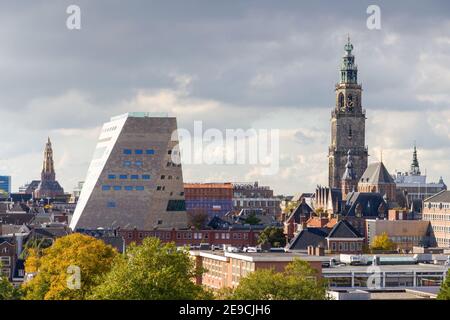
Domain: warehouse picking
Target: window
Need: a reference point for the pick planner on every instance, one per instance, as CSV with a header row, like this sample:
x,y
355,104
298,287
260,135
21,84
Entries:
x,y
106,188
126,151
134,177
111,176
111,204
138,163
169,152
138,151
127,163
146,176
128,188
139,188
117,188
160,221
150,151
158,188
123,176
163,177
176,205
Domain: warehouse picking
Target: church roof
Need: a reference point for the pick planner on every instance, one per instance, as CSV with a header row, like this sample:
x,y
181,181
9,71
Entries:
x,y
343,229
309,237
302,210
369,203
376,173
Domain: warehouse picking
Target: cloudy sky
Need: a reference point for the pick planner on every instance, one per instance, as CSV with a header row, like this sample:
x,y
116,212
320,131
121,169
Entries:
x,y
231,64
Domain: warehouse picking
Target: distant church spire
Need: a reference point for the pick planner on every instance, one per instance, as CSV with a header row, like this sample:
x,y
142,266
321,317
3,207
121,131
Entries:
x,y
349,173
415,169
48,169
349,70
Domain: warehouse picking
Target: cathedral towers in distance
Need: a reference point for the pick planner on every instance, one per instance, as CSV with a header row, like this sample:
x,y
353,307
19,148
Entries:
x,y
347,124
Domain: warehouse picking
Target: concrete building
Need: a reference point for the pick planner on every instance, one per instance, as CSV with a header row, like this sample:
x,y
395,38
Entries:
x,y
213,199
135,179
404,233
225,269
254,196
436,210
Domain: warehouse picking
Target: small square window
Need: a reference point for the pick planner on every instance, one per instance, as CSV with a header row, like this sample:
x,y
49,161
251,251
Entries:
x,y
111,176
111,204
127,163
169,152
123,176
126,151
106,188
138,151
117,188
163,177
128,188
150,151
134,177
160,221
138,163
139,188
146,176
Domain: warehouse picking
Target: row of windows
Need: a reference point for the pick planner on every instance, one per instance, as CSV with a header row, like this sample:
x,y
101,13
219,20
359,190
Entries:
x,y
345,246
125,176
118,188
130,163
436,217
138,151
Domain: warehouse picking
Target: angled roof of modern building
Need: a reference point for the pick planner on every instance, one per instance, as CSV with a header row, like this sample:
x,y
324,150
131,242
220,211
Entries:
x,y
376,173
443,196
343,229
309,237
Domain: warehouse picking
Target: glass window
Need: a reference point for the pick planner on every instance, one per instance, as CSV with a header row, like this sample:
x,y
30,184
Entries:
x,y
150,151
134,177
123,176
138,163
106,188
139,188
138,151
117,188
128,188
111,204
127,163
126,151
111,176
146,176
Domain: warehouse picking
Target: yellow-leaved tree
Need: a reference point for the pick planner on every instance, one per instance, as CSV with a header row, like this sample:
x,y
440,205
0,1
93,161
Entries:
x,y
383,243
69,269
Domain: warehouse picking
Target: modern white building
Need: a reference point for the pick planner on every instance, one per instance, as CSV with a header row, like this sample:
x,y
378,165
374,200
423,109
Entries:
x,y
134,180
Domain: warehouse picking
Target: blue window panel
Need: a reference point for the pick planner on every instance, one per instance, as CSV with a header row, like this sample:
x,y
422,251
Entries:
x,y
123,176
146,176
138,163
139,151
111,176
127,151
127,163
150,151
117,188
134,176
139,188
111,204
106,188
128,188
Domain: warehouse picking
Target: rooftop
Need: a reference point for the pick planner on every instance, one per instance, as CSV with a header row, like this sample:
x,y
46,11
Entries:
x,y
443,196
141,115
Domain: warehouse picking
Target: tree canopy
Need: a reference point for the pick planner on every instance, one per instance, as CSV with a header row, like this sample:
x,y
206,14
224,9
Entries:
x,y
7,290
151,271
69,269
272,236
383,243
444,292
299,281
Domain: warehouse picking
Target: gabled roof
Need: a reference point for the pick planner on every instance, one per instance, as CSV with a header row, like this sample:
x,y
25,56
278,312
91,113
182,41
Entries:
x,y
376,173
309,237
302,210
368,201
443,196
343,229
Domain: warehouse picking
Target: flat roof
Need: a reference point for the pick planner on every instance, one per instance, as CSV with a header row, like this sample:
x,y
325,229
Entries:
x,y
386,268
141,115
259,256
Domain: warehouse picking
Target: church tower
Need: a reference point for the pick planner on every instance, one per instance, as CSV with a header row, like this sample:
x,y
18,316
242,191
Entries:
x,y
347,123
48,170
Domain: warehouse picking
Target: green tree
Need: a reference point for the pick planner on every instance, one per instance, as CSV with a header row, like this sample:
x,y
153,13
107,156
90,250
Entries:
x,y
444,292
272,236
382,243
57,268
152,271
7,290
252,219
299,281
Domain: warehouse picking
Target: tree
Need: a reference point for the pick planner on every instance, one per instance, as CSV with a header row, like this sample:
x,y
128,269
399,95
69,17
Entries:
x,y
198,219
7,290
69,269
382,243
152,271
272,236
252,219
299,281
444,292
